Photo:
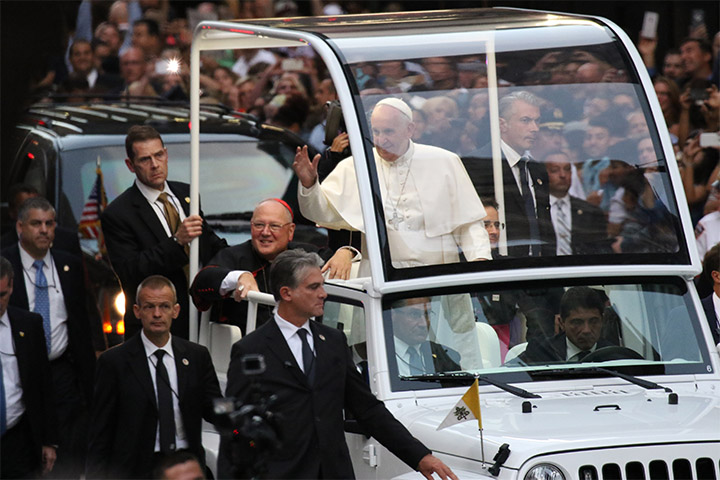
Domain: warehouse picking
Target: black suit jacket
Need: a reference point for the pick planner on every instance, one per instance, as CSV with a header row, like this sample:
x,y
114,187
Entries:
x,y
139,247
312,425
34,369
72,281
551,350
588,234
124,418
479,166
205,289
711,316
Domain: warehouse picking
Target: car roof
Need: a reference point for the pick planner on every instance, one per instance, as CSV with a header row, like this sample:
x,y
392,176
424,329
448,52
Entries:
x,y
79,123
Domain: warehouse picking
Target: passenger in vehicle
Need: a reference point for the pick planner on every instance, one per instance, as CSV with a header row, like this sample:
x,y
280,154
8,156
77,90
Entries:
x,y
580,227
234,271
416,354
492,224
148,228
526,195
430,205
711,303
580,322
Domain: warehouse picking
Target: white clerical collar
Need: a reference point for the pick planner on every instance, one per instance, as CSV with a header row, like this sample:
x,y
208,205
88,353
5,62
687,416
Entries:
x,y
150,193
404,158
151,348
27,260
554,199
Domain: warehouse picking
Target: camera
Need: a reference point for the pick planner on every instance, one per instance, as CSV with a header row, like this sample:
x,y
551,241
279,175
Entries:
x,y
249,423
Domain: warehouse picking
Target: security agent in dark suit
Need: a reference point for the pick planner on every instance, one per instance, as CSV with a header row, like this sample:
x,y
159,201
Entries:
x,y
243,268
147,228
526,197
711,264
27,417
416,355
51,282
151,392
310,370
580,227
581,321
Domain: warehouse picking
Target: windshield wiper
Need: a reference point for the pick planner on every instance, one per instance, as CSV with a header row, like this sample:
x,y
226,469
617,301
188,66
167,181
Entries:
x,y
460,377
647,384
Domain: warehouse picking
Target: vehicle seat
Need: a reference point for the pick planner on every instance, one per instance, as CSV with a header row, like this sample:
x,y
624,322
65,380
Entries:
x,y
489,345
515,351
222,338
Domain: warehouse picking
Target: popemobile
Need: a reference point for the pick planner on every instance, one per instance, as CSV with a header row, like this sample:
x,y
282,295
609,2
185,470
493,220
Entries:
x,y
579,321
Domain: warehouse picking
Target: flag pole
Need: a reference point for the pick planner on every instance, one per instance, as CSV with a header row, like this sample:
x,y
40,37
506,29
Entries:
x,y
480,427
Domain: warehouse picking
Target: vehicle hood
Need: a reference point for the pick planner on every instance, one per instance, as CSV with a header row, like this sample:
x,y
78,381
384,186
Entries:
x,y
563,421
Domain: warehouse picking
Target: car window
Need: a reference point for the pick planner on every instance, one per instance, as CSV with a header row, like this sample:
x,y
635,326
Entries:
x,y
646,327
350,319
571,105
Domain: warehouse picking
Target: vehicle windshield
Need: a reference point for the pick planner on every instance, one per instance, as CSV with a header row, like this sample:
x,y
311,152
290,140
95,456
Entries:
x,y
642,328
228,195
542,150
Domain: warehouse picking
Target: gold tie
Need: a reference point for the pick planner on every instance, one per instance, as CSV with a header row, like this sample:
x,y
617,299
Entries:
x,y
171,213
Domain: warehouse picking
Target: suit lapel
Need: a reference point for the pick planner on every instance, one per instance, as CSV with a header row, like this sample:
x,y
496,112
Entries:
x,y
181,193
138,363
323,357
182,366
278,346
63,270
19,296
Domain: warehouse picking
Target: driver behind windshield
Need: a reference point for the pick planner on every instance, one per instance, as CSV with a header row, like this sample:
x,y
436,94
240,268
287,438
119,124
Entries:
x,y
416,354
581,325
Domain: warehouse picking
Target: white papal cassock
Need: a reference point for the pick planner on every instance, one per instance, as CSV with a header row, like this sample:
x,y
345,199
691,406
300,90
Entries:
x,y
431,206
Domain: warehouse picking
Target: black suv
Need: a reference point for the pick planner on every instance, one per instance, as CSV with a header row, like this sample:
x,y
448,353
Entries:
x,y
242,162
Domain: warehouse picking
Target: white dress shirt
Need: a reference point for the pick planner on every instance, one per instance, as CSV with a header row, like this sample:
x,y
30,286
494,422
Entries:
x,y
58,312
293,340
151,195
169,362
572,350
14,406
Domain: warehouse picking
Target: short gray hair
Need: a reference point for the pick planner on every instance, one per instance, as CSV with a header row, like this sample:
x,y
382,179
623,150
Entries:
x,y
34,203
287,269
155,282
506,103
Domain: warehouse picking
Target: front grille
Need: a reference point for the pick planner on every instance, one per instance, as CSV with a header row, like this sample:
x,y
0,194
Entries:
x,y
696,461
680,468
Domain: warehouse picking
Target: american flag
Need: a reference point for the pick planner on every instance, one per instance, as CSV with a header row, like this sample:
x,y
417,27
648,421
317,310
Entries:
x,y
89,226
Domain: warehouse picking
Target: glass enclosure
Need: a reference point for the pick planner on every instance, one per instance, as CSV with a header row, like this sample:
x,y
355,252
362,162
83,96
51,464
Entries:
x,y
494,150
526,333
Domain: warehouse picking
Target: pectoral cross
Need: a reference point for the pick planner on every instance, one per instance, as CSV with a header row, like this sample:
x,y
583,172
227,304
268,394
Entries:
x,y
396,219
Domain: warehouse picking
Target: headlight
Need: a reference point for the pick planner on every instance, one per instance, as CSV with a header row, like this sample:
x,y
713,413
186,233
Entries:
x,y
120,303
544,471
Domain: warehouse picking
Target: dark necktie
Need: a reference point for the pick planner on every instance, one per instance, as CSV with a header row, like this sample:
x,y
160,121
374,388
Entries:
x,y
166,412
581,356
530,212
416,366
42,301
308,357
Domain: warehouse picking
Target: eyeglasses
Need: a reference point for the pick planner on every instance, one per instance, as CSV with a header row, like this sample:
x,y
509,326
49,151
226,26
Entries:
x,y
498,225
274,227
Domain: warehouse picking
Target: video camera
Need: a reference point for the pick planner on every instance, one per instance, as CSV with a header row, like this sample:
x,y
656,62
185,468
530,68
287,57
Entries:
x,y
249,423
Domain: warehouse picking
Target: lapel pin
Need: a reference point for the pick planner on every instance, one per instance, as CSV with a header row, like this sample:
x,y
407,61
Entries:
x,y
187,199
539,181
580,212
322,337
66,268
22,334
434,356
185,362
